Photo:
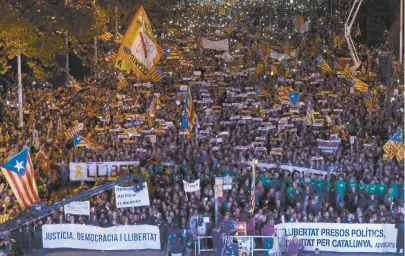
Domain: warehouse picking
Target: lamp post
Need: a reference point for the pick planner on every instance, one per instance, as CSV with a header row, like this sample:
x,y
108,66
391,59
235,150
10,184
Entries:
x,y
20,101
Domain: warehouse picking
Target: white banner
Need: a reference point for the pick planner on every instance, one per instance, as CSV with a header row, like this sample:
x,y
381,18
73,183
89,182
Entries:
x,y
92,171
304,27
77,236
290,168
191,187
127,197
282,56
334,237
78,208
222,45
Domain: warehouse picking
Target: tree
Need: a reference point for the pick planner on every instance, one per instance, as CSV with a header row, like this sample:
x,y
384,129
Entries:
x,y
19,37
36,29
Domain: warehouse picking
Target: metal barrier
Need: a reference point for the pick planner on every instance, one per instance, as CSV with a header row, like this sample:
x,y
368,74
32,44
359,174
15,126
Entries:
x,y
246,243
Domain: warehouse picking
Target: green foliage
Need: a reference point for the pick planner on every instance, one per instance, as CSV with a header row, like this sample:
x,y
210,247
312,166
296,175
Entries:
x,y
36,29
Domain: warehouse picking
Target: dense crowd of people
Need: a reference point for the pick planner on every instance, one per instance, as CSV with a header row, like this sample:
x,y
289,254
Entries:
x,y
358,184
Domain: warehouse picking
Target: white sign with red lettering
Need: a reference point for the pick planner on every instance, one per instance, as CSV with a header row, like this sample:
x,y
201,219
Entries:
x,y
191,187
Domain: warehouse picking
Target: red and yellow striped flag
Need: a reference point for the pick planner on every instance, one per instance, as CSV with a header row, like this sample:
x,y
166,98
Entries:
x,y
395,145
324,65
106,36
20,174
359,85
283,93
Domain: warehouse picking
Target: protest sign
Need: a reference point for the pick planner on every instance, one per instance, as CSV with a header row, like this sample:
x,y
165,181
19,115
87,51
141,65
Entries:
x,y
222,45
127,197
328,146
337,237
77,236
290,168
78,208
92,171
191,187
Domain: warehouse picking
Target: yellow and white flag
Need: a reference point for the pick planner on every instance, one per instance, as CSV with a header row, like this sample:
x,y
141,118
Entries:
x,y
139,50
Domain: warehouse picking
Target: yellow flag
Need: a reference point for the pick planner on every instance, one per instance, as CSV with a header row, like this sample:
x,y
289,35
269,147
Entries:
x,y
139,50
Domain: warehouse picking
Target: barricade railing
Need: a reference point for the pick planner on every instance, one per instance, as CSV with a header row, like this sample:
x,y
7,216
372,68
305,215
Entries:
x,y
246,243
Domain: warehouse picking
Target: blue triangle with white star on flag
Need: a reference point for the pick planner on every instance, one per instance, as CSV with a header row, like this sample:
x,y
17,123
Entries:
x,y
167,51
184,120
17,163
76,139
398,136
294,96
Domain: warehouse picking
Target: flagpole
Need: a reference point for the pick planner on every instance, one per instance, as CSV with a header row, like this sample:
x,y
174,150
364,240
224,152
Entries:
x,y
116,23
401,39
20,101
67,55
254,163
95,50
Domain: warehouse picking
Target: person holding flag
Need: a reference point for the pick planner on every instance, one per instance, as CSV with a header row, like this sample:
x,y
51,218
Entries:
x,y
20,174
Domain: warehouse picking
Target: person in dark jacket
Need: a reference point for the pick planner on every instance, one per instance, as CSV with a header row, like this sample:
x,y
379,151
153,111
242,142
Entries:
x,y
175,244
28,235
218,241
18,236
400,235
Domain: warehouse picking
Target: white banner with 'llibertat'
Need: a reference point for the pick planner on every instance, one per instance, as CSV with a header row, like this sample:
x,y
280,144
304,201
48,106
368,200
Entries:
x,y
78,236
127,197
338,237
95,170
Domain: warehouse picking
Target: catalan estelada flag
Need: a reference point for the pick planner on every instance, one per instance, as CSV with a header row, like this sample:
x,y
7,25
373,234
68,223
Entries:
x,y
323,64
106,36
188,119
283,93
156,74
72,83
368,100
20,174
294,97
172,53
359,85
298,21
394,145
261,92
79,141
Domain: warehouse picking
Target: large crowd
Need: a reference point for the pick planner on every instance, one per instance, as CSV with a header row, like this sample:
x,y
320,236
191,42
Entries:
x,y
359,184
